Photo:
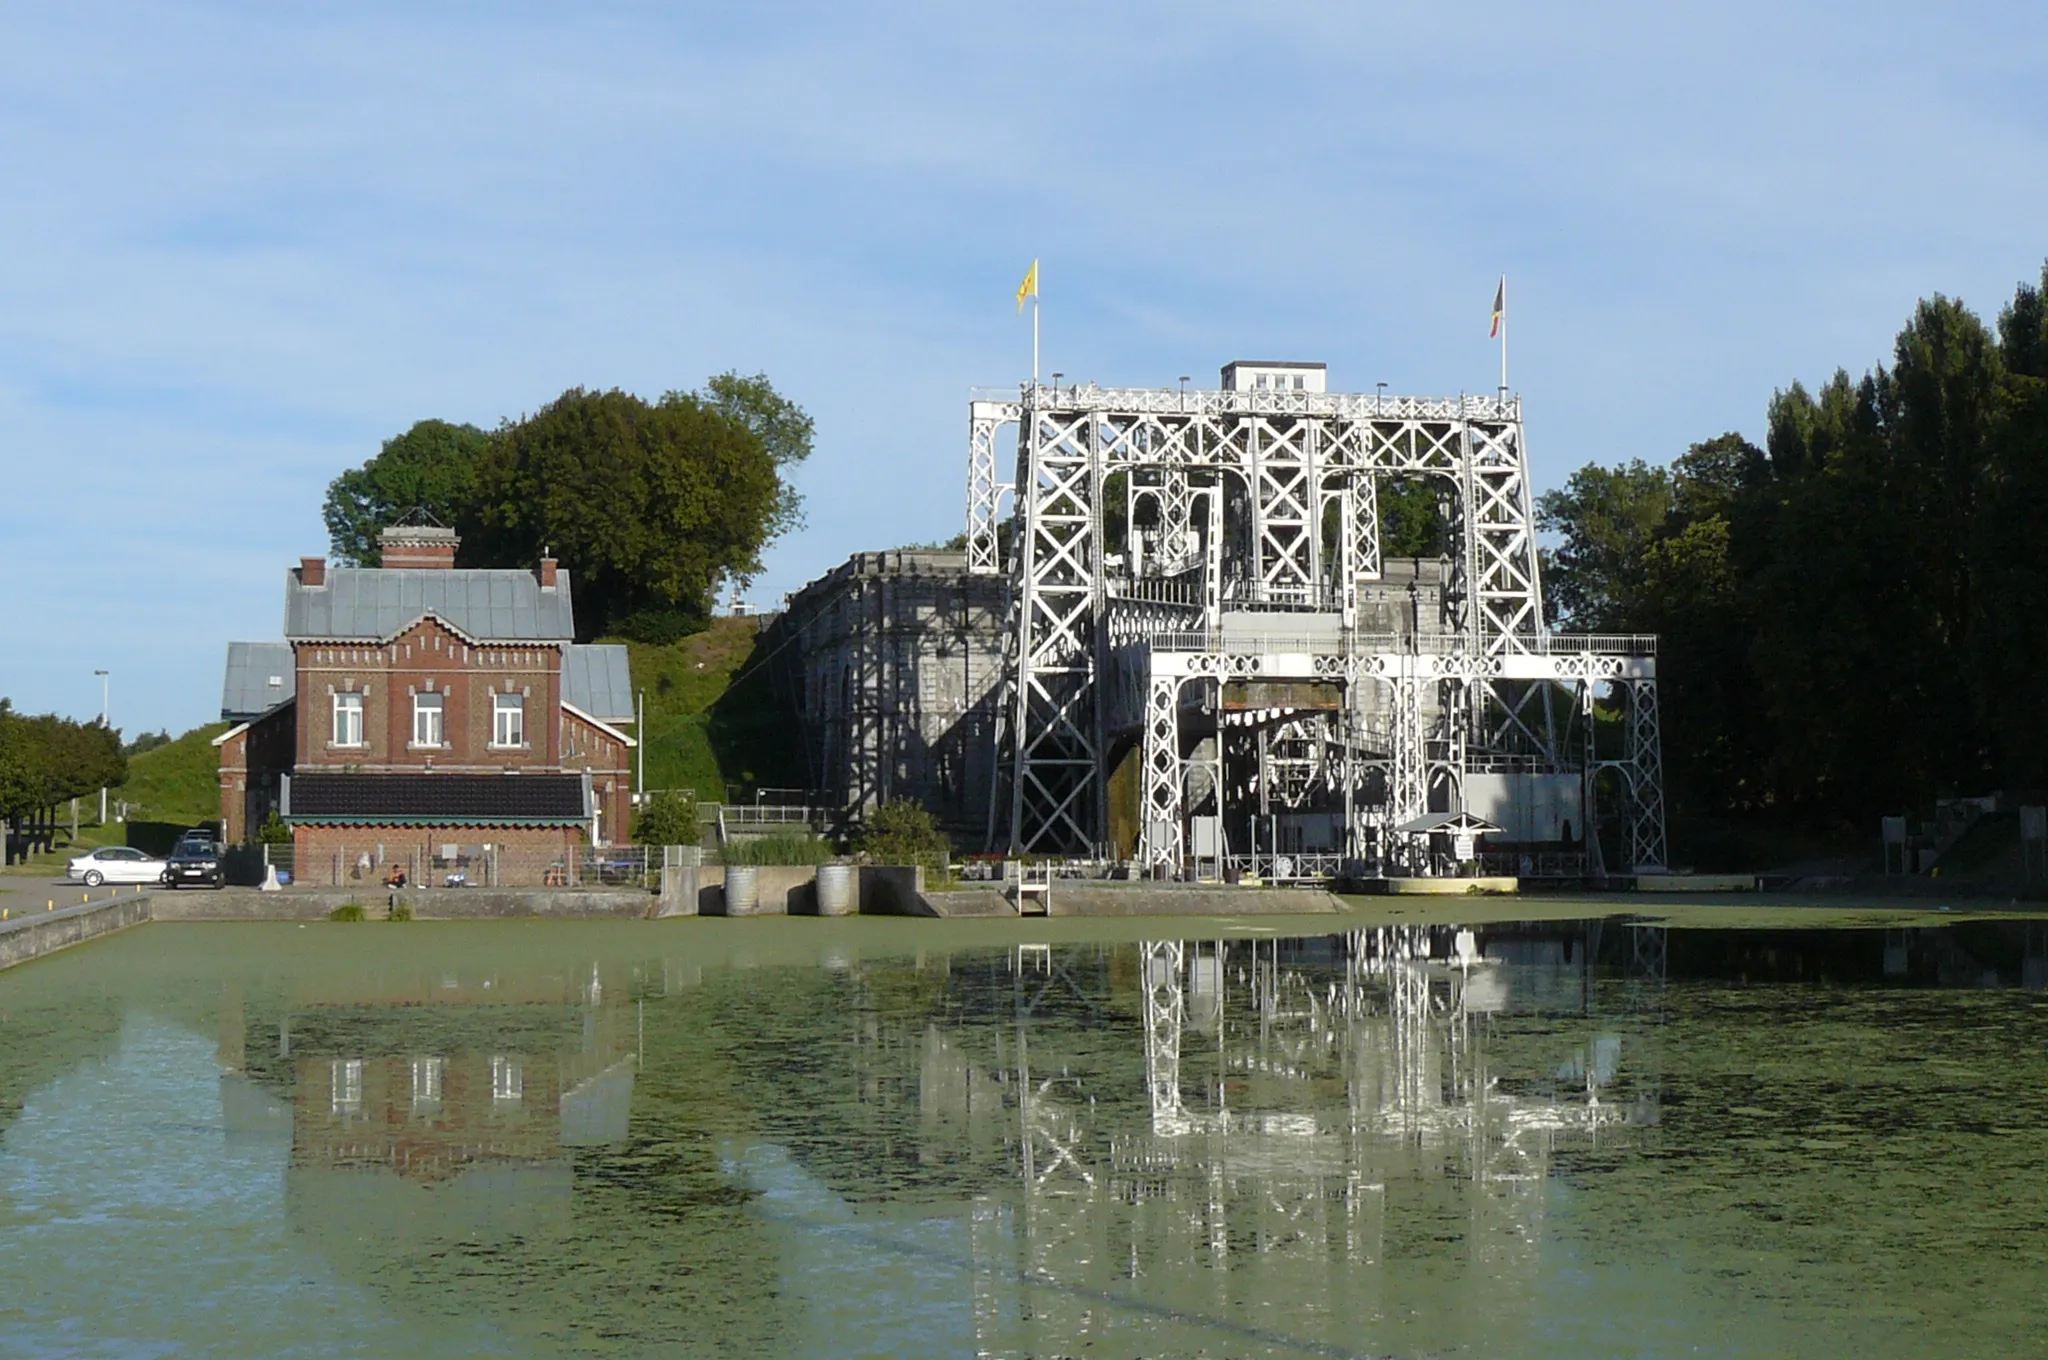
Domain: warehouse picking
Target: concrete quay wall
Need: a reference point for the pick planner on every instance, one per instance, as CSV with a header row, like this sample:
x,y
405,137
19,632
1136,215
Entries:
x,y
32,936
427,904
791,890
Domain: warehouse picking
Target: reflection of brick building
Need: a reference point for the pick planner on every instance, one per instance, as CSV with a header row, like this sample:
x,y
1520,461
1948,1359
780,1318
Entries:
x,y
417,706
425,1117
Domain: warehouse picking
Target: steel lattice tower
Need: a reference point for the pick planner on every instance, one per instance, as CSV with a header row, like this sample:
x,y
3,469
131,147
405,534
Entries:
x,y
1261,532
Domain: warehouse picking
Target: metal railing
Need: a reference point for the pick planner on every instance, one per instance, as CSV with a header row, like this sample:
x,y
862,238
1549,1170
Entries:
x,y
1307,866
1211,402
747,815
1421,644
1559,864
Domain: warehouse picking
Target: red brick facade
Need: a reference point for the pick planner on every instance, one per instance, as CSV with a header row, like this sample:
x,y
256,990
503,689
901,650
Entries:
x,y
429,659
252,756
430,698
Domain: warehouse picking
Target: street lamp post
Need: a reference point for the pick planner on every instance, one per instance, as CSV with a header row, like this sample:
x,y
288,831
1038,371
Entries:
x,y
106,685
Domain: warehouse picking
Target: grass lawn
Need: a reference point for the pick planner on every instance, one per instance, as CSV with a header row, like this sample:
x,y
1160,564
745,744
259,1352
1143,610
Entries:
x,y
176,783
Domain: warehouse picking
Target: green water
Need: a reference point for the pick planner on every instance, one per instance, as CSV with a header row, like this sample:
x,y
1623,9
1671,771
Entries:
x,y
864,1137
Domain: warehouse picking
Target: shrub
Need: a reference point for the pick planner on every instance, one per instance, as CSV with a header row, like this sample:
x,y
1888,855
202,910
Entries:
x,y
668,817
348,911
902,832
400,911
273,831
784,847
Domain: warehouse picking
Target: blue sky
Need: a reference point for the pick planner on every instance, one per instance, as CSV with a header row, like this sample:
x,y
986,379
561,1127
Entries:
x,y
244,244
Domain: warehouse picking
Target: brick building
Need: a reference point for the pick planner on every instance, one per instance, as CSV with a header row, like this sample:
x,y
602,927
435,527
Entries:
x,y
435,716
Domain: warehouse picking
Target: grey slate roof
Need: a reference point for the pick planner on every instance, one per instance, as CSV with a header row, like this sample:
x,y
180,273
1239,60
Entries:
x,y
247,692
596,680
371,604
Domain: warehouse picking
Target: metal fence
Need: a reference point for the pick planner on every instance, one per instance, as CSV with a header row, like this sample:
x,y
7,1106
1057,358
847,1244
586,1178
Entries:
x,y
376,865
1301,867
379,865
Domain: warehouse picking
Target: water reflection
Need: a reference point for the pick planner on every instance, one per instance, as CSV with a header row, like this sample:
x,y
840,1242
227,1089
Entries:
x,y
1309,1105
1542,1138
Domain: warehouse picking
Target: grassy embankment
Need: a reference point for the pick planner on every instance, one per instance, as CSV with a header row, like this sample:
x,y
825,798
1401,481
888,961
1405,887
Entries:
x,y
713,723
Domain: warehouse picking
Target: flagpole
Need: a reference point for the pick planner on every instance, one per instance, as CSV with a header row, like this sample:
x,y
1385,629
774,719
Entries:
x,y
1034,337
1503,337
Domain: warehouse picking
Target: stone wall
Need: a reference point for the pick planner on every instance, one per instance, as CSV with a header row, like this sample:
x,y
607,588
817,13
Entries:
x,y
892,665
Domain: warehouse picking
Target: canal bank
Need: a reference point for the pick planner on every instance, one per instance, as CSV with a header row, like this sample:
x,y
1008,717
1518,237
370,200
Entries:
x,y
30,937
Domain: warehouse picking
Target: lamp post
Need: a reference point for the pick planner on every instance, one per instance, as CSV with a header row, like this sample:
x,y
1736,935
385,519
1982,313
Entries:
x,y
106,686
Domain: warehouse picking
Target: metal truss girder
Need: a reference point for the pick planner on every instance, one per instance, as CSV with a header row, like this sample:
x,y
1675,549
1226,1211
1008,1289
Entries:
x,y
1295,456
1284,506
1364,530
1162,775
1160,962
985,488
1646,785
1057,735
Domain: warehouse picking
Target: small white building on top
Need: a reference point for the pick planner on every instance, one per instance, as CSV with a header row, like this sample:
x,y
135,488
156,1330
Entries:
x,y
1272,375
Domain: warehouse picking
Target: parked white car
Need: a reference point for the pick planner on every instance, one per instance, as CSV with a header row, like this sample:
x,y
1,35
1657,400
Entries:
x,y
115,864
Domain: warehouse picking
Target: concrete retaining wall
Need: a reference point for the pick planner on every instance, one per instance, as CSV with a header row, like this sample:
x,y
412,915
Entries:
x,y
782,890
892,890
31,937
427,904
792,890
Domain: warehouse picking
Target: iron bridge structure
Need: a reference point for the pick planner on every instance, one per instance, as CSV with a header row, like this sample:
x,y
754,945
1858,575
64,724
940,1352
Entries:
x,y
1209,658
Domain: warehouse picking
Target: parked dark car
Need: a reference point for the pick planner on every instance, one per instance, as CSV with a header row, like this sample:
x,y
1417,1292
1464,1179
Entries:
x,y
195,859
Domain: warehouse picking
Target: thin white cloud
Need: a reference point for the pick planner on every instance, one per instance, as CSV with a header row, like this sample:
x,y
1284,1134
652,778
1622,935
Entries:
x,y
245,245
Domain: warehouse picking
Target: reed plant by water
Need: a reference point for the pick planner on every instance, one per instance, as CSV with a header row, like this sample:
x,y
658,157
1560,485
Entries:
x,y
781,848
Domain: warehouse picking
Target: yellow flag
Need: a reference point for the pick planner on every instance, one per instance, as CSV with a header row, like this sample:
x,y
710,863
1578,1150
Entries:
x,y
1028,288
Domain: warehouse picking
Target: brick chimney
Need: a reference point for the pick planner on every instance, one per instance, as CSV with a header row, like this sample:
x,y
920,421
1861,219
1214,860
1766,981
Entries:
x,y
418,547
547,573
312,571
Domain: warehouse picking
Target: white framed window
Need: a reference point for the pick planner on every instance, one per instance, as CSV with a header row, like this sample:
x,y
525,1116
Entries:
x,y
348,1085
426,719
348,720
508,720
427,1077
508,1082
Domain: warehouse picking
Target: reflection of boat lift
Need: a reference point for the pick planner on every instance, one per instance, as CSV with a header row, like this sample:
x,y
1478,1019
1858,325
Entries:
x,y
1403,1025
1429,1002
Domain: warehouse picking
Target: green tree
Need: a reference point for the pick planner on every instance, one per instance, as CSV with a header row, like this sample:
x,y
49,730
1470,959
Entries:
x,y
650,505
45,759
1607,518
1411,517
903,832
669,817
1851,621
785,429
431,467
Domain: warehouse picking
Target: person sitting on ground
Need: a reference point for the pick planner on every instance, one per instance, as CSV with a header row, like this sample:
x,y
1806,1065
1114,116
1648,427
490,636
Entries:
x,y
396,878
